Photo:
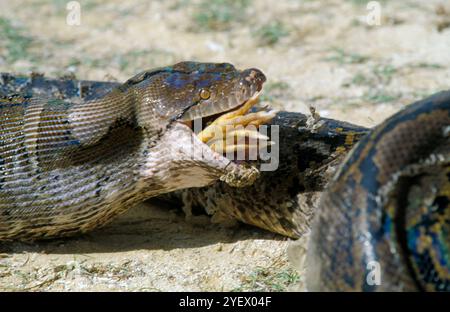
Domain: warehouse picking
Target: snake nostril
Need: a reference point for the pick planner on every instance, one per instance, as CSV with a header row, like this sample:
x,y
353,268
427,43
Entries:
x,y
254,76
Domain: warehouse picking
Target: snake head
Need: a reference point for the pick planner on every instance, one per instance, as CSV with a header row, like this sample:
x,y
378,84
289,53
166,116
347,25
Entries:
x,y
172,99
190,90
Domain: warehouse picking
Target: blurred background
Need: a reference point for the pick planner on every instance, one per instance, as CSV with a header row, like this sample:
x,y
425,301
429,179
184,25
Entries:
x,y
351,61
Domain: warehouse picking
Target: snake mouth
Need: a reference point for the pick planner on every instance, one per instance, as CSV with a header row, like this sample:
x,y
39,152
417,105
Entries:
x,y
234,133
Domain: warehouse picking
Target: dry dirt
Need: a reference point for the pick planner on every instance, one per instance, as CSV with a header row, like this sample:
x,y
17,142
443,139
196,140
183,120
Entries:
x,y
319,53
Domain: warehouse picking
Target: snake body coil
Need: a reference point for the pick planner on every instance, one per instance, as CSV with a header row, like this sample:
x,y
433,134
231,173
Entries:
x,y
384,221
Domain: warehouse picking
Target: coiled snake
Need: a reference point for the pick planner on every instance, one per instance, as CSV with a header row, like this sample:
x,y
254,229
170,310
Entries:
x,y
388,208
74,154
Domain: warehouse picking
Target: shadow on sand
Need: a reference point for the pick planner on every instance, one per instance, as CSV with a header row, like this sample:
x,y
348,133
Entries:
x,y
145,227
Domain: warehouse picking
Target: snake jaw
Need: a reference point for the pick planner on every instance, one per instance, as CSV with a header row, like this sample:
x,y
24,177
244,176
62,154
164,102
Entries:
x,y
212,150
201,157
224,96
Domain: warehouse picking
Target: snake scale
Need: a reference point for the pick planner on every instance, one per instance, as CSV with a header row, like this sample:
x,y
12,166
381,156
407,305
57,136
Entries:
x,y
74,154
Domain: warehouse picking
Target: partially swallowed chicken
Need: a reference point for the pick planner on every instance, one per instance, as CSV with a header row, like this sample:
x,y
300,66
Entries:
x,y
237,131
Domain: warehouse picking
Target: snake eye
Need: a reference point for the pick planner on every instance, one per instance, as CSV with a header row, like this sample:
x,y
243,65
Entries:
x,y
205,94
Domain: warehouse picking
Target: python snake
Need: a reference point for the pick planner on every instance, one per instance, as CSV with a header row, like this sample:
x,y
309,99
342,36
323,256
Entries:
x,y
70,163
388,203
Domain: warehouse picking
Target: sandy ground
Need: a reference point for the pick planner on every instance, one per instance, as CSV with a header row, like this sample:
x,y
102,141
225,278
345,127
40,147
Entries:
x,y
320,53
